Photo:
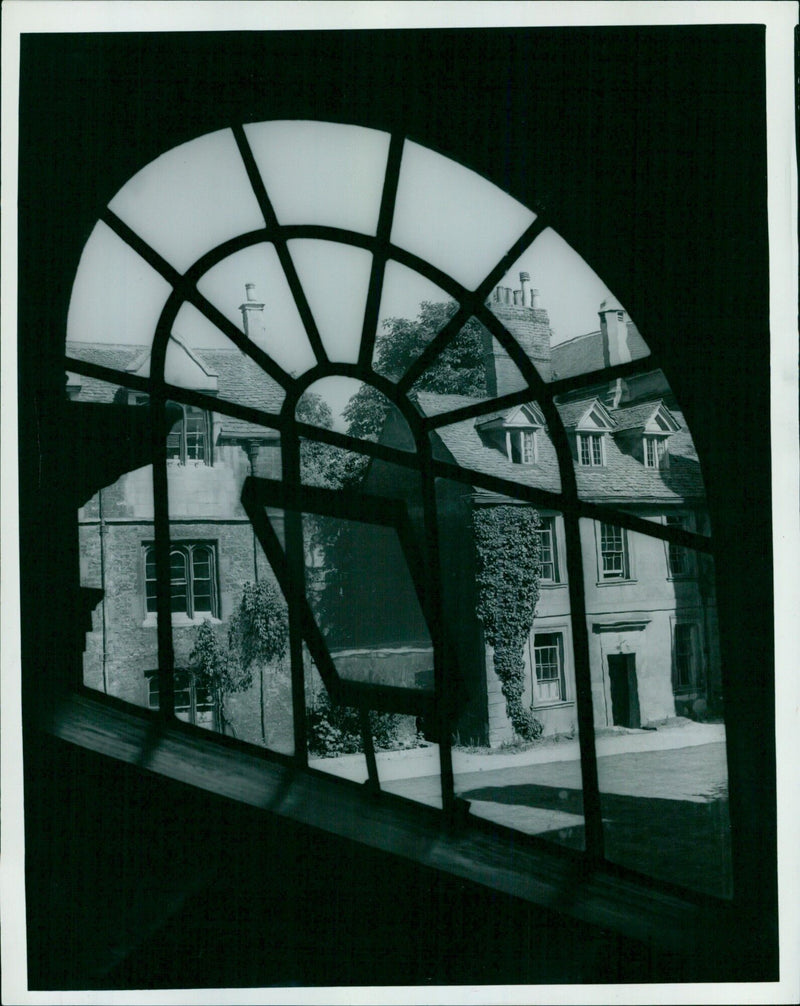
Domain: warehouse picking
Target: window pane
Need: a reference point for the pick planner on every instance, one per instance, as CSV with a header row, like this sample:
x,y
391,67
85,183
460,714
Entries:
x,y
658,711
337,745
190,199
209,488
365,601
259,709
452,217
109,268
413,310
624,464
551,285
472,364
117,579
201,358
250,288
356,409
210,525
490,444
517,767
325,270
321,172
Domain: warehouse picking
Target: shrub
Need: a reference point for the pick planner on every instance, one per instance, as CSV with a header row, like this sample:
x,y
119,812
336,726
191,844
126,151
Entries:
x,y
334,729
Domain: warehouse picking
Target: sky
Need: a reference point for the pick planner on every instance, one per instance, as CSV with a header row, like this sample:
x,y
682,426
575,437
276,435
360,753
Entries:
x,y
197,195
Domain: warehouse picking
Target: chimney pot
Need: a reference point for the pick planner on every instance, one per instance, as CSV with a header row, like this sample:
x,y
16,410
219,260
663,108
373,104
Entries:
x,y
535,299
525,283
250,291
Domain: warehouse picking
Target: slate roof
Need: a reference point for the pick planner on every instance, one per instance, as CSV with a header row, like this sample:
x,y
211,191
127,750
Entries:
x,y
116,357
623,479
240,380
572,412
681,443
468,449
584,353
633,417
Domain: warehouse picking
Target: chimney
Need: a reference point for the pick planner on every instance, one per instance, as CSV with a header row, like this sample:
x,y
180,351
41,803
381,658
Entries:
x,y
255,327
520,312
614,333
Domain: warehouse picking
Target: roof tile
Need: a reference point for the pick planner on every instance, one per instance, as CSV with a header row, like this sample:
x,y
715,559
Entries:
x,y
240,379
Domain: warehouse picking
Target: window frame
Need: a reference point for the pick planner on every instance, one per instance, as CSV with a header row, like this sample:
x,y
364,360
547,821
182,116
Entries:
x,y
549,527
698,669
187,550
684,522
626,574
572,503
561,634
590,440
196,416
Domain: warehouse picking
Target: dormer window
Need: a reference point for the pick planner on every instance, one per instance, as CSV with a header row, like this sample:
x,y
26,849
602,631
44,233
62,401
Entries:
x,y
189,440
655,452
514,432
521,446
590,424
590,449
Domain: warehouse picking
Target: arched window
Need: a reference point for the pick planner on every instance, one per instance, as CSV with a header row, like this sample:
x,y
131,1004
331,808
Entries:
x,y
464,366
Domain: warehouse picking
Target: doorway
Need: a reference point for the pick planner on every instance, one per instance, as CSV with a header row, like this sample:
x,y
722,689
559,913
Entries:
x,y
624,690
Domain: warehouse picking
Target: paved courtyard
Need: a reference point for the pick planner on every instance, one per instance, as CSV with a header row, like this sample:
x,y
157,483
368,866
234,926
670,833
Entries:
x,y
664,812
663,796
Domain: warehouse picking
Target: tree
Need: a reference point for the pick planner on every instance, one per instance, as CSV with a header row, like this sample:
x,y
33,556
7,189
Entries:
x,y
457,370
215,668
318,461
259,628
257,636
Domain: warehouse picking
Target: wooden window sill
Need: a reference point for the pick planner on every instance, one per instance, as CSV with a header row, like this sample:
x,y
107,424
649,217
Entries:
x,y
473,851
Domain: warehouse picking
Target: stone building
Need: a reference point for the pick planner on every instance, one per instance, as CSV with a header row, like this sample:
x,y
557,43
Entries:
x,y
213,548
651,605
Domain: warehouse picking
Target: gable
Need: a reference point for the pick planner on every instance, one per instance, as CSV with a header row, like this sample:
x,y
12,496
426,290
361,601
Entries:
x,y
596,418
524,416
648,417
661,421
182,368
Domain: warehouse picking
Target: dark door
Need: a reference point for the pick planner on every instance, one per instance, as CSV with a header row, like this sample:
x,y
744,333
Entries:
x,y
624,690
